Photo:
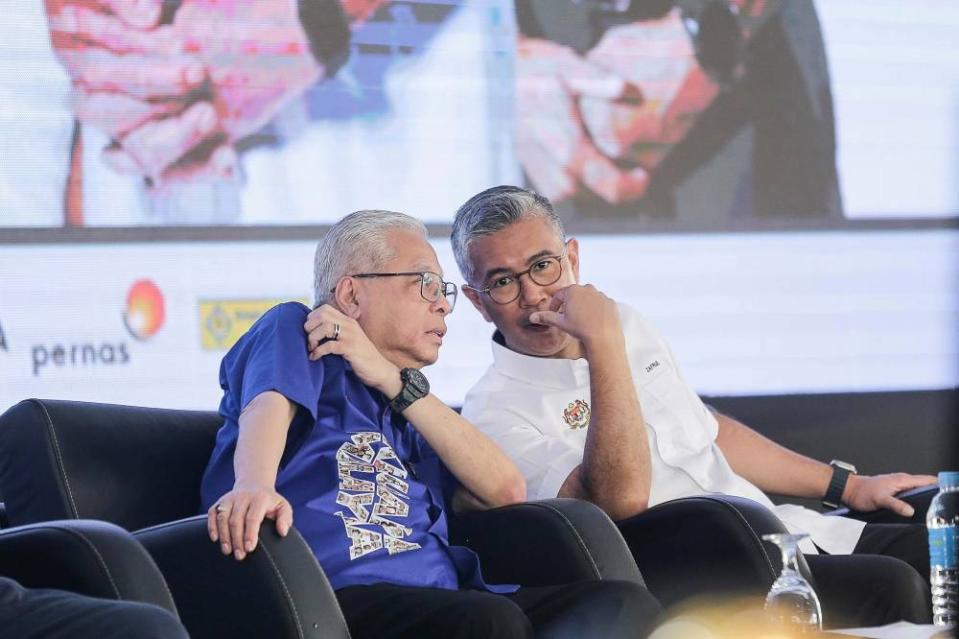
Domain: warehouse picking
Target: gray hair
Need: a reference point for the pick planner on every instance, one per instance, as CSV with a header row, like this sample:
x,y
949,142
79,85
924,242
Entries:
x,y
493,210
354,244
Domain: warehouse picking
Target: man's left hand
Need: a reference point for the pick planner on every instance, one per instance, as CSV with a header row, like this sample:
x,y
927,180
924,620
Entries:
x,y
873,492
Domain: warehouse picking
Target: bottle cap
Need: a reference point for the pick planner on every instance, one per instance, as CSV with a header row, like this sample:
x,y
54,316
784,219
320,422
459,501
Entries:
x,y
949,478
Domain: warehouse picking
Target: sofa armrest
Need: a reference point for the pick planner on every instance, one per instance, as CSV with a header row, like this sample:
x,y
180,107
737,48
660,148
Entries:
x,y
918,498
709,544
545,542
279,590
92,558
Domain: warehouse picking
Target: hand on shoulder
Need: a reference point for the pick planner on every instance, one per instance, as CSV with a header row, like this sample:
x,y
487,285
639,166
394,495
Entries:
x,y
330,331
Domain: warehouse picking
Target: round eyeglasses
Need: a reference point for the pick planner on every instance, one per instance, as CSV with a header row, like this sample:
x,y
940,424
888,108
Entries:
x,y
432,286
506,288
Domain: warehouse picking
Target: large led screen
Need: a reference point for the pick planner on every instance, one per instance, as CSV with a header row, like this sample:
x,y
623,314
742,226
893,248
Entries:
x,y
632,115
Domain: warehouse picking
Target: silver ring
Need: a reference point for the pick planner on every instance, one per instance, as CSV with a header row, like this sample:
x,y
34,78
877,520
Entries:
x,y
336,331
218,508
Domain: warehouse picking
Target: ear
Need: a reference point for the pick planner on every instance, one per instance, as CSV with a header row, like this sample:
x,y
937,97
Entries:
x,y
572,254
347,297
477,299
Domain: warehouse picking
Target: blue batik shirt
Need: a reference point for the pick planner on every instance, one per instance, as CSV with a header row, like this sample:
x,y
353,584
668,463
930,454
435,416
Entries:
x,y
368,493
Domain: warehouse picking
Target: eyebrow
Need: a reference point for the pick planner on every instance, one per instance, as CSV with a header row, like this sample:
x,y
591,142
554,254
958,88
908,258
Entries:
x,y
423,267
532,258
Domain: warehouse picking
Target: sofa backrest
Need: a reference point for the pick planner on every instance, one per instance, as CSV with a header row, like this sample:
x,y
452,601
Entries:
x,y
131,466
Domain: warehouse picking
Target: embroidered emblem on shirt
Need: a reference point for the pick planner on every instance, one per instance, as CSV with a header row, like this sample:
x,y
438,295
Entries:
x,y
576,414
384,490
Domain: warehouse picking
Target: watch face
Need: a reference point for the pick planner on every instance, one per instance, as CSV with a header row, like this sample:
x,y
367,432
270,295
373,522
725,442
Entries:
x,y
844,465
417,381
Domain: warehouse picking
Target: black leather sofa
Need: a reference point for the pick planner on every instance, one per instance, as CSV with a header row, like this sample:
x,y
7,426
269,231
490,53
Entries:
x,y
140,469
92,558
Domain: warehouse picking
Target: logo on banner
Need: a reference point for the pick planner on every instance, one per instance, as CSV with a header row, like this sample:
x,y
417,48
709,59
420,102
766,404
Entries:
x,y
145,310
143,317
223,322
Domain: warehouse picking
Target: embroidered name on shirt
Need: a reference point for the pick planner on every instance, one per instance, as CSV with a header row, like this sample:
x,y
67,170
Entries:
x,y
381,495
653,366
576,414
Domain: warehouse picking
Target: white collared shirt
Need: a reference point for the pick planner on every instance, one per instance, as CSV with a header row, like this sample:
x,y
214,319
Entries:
x,y
536,409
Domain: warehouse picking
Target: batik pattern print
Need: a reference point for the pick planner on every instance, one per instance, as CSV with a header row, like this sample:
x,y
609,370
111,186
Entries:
x,y
374,490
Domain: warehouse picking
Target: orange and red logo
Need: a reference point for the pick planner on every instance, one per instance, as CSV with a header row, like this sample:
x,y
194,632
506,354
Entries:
x,y
145,310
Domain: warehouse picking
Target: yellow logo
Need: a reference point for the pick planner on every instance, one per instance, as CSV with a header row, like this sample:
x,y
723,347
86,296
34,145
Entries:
x,y
576,414
223,322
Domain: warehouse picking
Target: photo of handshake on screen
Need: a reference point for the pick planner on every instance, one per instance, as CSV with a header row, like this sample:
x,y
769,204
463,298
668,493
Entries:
x,y
175,85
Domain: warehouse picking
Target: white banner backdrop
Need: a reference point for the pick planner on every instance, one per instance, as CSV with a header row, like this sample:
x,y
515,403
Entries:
x,y
745,314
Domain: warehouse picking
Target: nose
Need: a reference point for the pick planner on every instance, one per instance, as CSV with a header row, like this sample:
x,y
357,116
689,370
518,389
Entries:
x,y
531,294
442,305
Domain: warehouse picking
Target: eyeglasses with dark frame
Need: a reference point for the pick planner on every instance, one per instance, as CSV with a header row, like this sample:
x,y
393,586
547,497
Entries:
x,y
432,285
505,289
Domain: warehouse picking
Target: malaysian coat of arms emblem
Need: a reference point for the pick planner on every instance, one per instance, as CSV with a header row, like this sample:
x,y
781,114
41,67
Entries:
x,y
576,414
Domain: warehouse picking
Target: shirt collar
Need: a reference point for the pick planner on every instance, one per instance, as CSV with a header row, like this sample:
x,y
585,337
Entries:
x,y
540,371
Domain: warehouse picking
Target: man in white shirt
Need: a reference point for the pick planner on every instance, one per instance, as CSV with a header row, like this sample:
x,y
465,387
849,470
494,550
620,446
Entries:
x,y
573,376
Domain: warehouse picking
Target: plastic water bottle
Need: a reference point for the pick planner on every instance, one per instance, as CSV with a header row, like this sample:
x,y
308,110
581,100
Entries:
x,y
942,521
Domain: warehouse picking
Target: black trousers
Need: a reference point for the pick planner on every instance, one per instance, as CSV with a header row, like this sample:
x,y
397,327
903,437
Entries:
x,y
28,613
578,610
885,580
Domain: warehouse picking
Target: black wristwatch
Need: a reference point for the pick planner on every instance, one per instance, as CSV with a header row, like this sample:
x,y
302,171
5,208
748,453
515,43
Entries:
x,y
840,475
415,386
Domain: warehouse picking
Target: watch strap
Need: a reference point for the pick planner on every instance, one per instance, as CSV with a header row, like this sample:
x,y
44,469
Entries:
x,y
415,386
837,484
402,401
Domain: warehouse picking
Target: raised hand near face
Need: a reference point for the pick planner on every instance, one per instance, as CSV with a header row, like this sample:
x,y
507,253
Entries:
x,y
586,313
331,332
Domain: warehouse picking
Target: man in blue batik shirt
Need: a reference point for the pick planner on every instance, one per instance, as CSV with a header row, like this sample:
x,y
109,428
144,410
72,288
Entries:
x,y
349,438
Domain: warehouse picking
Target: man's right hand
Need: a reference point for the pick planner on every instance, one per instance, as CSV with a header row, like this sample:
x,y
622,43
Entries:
x,y
353,345
586,313
234,520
